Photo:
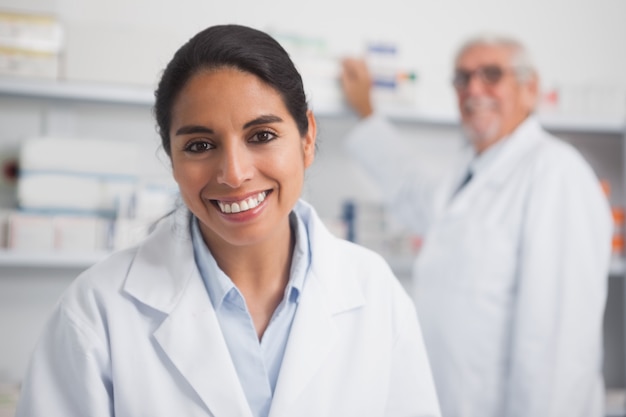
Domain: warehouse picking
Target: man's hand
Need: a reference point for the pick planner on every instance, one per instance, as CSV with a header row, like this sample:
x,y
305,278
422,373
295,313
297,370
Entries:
x,y
357,84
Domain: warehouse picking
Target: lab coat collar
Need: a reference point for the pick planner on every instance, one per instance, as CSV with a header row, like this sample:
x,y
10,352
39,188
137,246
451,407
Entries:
x,y
511,151
165,264
162,269
492,168
330,289
164,277
341,289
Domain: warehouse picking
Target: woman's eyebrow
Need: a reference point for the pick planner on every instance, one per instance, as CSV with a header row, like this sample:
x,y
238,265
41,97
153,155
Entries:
x,y
186,130
269,118
191,129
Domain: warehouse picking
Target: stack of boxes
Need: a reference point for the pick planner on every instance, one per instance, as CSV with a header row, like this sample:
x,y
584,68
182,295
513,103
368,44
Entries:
x,y
83,195
30,45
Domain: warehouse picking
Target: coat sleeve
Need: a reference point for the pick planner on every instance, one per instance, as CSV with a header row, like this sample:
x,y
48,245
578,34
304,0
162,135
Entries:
x,y
409,187
556,359
412,389
67,375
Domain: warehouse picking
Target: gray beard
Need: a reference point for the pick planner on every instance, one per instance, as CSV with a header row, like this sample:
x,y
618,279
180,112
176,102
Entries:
x,y
480,138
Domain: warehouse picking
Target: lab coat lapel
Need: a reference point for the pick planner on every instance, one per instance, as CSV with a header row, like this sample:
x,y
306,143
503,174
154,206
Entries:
x,y
190,334
192,339
514,151
312,337
328,291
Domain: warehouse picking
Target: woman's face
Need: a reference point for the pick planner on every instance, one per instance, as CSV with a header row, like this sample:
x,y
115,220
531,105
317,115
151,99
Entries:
x,y
238,157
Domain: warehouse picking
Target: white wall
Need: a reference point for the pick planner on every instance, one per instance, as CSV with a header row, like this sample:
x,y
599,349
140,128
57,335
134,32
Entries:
x,y
129,41
573,42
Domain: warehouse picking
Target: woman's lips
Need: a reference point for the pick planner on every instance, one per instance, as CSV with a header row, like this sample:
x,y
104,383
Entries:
x,y
246,204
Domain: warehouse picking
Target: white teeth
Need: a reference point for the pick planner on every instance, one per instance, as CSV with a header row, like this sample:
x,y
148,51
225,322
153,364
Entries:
x,y
242,205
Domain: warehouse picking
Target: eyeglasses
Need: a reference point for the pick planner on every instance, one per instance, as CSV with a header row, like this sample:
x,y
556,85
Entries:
x,y
488,74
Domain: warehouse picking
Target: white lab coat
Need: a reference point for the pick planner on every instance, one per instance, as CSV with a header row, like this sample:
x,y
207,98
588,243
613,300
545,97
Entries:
x,y
511,280
136,335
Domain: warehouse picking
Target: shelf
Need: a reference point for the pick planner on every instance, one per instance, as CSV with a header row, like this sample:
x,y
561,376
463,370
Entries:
x,y
401,265
551,122
144,96
584,124
27,259
77,91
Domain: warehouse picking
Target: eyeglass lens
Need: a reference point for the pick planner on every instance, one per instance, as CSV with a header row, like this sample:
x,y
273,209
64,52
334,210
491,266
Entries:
x,y
489,74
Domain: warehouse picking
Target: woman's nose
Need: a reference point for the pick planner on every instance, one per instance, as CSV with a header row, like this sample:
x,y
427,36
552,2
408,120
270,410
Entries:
x,y
236,165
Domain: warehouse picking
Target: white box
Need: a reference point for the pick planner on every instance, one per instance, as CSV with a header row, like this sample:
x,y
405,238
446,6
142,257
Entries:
x,y
30,45
18,63
31,32
31,232
80,234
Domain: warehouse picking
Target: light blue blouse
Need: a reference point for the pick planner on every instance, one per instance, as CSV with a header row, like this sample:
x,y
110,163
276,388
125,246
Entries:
x,y
257,362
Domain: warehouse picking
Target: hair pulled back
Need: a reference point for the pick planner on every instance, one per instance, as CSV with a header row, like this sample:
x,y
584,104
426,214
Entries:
x,y
230,46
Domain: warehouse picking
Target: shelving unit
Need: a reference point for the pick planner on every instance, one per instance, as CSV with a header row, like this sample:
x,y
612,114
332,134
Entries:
x,y
138,95
402,266
61,259
77,91
144,96
20,259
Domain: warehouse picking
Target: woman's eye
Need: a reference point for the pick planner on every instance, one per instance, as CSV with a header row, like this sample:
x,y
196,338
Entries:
x,y
198,147
263,136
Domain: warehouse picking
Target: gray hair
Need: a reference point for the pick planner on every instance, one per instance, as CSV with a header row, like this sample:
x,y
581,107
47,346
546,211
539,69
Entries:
x,y
521,60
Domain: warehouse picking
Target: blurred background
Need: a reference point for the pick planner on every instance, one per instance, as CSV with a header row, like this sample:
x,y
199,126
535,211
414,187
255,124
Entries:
x,y
83,174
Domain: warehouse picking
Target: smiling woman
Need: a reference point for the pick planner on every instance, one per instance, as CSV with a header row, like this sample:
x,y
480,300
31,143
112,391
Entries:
x,y
231,140
241,303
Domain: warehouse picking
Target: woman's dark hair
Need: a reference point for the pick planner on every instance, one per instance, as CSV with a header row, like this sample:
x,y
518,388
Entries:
x,y
230,46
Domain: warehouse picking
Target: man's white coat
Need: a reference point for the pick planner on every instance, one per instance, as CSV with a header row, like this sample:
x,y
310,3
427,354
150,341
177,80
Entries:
x,y
511,281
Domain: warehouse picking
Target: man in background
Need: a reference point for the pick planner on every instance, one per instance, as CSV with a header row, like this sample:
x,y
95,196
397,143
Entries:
x,y
511,280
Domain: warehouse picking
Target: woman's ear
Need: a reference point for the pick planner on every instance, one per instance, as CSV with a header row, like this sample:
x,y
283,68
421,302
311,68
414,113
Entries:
x,y
309,140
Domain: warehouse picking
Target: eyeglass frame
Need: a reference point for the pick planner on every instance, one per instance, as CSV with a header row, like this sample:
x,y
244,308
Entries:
x,y
484,78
